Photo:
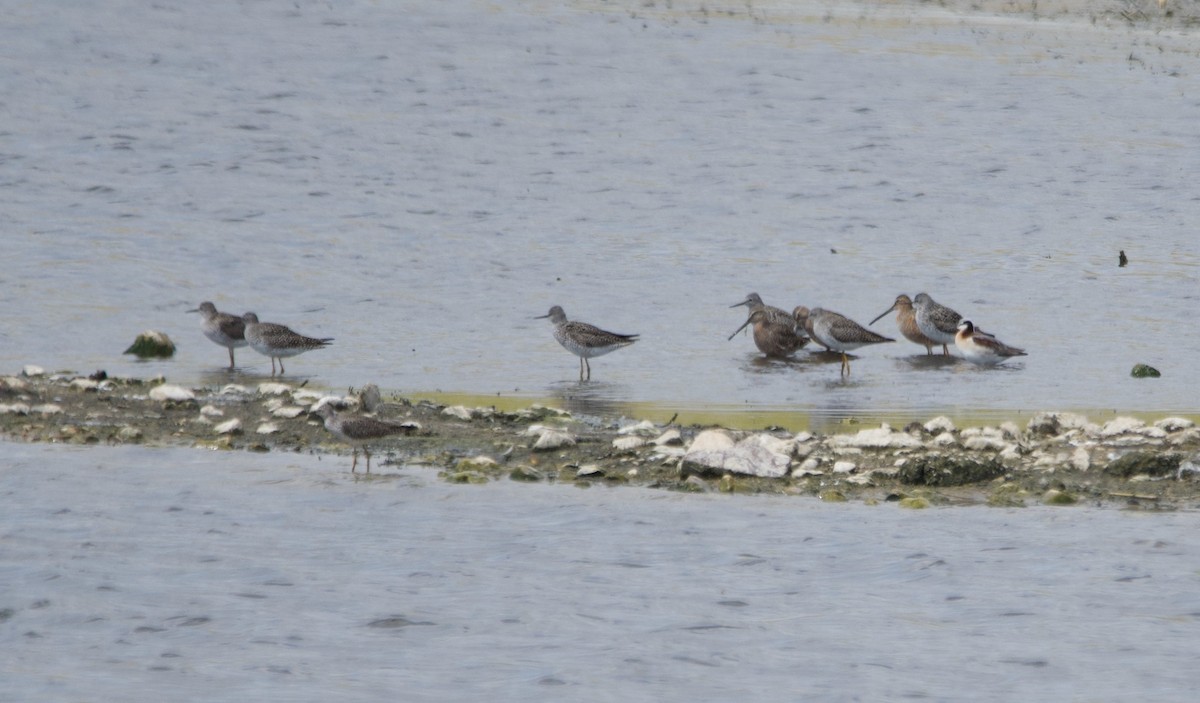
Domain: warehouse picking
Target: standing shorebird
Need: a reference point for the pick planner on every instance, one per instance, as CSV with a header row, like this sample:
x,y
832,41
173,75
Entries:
x,y
906,320
358,431
775,339
774,315
935,321
222,328
278,341
583,340
837,332
982,348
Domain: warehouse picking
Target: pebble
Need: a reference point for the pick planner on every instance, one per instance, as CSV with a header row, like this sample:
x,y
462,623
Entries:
x,y
169,391
233,426
273,388
553,439
47,409
32,371
458,411
266,428
628,443
645,427
288,412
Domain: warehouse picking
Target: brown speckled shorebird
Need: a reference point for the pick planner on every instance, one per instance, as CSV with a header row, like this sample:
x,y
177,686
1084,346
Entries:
x,y
936,321
278,341
837,332
222,328
906,320
358,430
583,340
979,347
775,339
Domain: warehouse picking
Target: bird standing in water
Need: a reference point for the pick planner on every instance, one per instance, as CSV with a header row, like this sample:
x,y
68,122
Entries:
x,y
583,340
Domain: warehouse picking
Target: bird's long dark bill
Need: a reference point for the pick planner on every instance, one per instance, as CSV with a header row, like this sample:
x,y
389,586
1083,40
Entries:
x,y
881,315
740,328
738,305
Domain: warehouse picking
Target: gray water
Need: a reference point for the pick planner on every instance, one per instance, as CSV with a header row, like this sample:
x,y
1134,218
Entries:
x,y
420,179
140,574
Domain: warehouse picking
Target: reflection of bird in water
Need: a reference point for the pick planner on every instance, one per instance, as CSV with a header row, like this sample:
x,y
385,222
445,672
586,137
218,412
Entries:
x,y
906,320
583,340
1122,260
982,348
838,332
936,321
776,333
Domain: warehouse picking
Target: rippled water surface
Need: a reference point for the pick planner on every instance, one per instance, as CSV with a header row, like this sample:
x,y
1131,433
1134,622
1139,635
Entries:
x,y
420,179
140,574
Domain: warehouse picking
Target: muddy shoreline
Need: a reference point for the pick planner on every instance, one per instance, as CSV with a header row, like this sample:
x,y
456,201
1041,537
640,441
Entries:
x,y
1057,458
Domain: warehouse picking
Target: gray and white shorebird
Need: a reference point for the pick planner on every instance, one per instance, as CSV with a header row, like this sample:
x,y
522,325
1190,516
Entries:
x,y
278,341
583,340
359,431
776,333
224,329
936,321
981,348
837,332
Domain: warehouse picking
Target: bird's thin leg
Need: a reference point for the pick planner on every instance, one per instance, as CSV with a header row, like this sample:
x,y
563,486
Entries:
x,y
945,351
281,366
367,452
589,369
354,464
845,364
231,358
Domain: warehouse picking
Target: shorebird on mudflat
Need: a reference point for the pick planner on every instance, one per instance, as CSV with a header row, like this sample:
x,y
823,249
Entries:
x,y
224,329
774,337
982,348
278,341
359,431
583,340
837,332
936,321
906,320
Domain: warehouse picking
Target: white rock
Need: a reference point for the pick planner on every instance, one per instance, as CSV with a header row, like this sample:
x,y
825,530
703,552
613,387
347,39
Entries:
x,y
644,428
1009,430
1010,453
844,467
84,384
31,371
288,412
274,404
939,424
553,439
984,443
715,449
169,391
809,467
228,427
860,479
770,443
1191,434
945,439
273,388
47,409
14,409
1121,425
628,443
802,437
458,411
211,411
234,389
266,428
1080,459
1174,424
878,438
308,395
671,437
711,440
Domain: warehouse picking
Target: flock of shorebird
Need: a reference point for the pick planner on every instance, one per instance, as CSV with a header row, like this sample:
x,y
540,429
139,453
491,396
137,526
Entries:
x,y
777,333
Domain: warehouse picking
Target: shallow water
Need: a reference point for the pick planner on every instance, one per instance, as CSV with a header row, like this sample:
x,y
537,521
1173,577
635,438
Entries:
x,y
419,180
152,574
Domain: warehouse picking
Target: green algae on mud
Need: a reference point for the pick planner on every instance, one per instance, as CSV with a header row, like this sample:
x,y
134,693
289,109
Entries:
x,y
1057,459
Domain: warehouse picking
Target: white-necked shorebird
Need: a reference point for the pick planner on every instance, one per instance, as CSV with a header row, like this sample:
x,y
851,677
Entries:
x,y
224,329
906,320
776,333
583,340
278,341
837,332
936,321
982,348
359,431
